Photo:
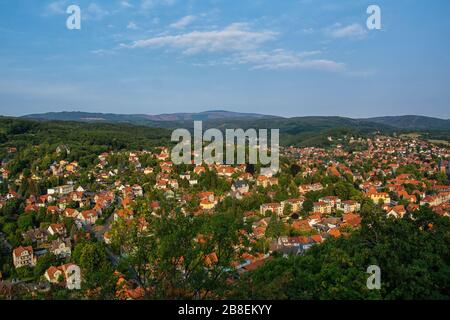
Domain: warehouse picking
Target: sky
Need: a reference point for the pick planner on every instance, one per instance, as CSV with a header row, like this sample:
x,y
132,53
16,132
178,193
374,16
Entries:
x,y
287,58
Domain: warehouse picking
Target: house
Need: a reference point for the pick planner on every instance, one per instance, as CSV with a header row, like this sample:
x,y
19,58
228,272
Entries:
x,y
404,195
264,181
436,200
163,156
5,173
334,232
397,211
61,248
107,238
287,246
68,275
137,190
378,196
206,196
57,229
148,170
322,207
53,210
294,245
240,186
205,204
296,204
314,218
259,228
88,217
246,176
161,184
174,183
71,213
12,195
38,236
271,207
225,171
31,208
301,225
199,170
305,188
24,257
61,190
124,214
349,206
332,201
352,219
128,290
169,194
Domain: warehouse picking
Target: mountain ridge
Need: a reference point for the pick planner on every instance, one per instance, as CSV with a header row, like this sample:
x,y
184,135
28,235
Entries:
x,y
180,116
223,118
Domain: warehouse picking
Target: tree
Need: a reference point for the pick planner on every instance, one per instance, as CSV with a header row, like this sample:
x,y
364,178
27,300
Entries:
x,y
44,262
25,221
178,255
308,205
414,264
96,269
275,228
287,209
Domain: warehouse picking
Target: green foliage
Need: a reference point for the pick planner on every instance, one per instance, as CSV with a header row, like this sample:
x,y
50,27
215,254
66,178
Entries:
x,y
180,256
25,221
275,228
414,264
96,269
308,205
44,262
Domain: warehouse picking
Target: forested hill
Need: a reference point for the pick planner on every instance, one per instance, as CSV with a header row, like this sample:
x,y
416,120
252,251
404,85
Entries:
x,y
85,140
408,122
306,131
144,118
413,122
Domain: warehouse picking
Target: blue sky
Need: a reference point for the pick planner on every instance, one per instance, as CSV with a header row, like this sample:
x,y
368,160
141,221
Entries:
x,y
289,57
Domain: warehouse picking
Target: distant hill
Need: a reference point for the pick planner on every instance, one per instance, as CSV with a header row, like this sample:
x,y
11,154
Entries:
x,y
222,118
297,131
411,122
143,118
207,115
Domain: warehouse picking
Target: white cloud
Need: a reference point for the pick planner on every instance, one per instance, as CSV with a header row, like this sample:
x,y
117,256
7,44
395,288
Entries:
x,y
235,37
281,59
94,12
308,30
57,7
183,22
354,30
133,26
126,4
150,4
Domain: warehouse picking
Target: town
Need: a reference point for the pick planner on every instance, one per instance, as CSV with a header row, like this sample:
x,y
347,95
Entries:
x,y
61,224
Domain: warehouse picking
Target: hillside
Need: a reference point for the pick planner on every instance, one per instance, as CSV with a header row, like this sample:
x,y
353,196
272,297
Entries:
x,y
222,118
82,136
411,122
302,131
143,118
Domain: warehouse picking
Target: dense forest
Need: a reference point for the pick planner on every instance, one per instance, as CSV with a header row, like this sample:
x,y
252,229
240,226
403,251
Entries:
x,y
79,141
